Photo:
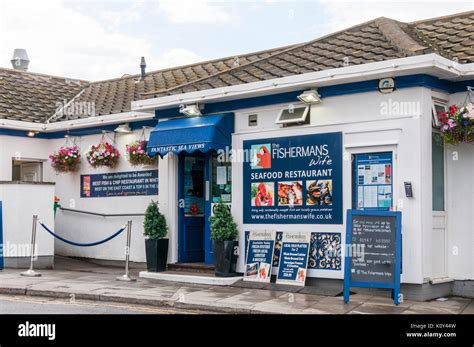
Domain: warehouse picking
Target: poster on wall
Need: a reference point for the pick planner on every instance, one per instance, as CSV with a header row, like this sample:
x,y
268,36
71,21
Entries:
x,y
373,181
258,262
131,183
294,258
293,180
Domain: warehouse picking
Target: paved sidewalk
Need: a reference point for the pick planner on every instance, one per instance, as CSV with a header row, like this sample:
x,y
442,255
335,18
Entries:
x,y
91,282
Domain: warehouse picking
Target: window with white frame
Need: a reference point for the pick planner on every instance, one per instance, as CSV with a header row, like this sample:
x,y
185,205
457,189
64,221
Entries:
x,y
437,108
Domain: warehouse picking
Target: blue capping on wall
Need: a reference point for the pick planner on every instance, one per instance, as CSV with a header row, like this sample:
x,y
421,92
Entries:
x,y
419,80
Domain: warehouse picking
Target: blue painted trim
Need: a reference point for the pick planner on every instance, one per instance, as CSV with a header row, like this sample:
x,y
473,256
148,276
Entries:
x,y
419,80
395,285
1,237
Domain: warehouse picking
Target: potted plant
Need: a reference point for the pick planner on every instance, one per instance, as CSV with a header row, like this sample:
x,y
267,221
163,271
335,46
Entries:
x,y
156,246
103,154
66,159
137,154
223,234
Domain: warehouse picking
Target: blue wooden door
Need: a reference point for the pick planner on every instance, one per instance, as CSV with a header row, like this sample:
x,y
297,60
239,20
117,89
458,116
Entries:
x,y
192,209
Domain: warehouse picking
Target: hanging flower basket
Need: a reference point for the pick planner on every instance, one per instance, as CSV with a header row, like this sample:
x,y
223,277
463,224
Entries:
x,y
66,159
137,154
103,154
457,124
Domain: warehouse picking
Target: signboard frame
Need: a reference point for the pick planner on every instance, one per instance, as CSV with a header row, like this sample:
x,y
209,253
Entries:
x,y
284,241
307,168
271,252
395,285
109,177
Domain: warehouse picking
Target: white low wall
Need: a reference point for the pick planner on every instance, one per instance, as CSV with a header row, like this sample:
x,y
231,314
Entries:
x,y
20,202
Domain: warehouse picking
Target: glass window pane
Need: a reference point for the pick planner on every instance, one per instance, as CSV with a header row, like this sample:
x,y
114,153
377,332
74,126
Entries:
x,y
221,181
437,146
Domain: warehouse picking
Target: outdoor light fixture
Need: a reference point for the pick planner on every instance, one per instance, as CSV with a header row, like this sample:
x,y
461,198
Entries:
x,y
123,129
191,110
310,97
31,134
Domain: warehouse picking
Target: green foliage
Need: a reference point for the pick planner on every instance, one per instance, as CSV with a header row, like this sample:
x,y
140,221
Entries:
x,y
155,222
223,227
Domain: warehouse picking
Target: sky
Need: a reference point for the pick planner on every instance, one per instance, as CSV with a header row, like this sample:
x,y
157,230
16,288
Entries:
x,y
96,40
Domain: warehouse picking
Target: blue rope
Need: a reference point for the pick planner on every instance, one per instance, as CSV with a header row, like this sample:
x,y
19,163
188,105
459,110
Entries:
x,y
82,244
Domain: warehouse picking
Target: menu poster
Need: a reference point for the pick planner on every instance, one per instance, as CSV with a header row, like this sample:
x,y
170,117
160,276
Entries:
x,y
373,253
294,258
373,181
258,262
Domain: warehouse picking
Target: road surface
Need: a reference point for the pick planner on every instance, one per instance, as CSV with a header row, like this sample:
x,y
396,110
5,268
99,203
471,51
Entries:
x,y
21,304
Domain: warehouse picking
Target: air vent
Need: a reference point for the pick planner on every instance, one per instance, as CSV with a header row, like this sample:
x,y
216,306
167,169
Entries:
x,y
253,120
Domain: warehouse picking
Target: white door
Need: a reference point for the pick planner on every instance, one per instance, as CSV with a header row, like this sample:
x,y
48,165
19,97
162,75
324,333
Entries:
x,y
31,172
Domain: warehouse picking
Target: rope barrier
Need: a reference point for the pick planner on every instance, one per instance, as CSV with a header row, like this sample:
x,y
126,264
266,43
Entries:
x,y
82,244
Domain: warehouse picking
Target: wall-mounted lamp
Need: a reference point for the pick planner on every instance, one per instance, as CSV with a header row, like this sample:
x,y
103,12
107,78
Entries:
x,y
123,129
310,97
31,133
191,110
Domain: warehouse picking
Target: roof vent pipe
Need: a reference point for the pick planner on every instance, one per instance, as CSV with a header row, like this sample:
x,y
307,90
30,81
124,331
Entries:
x,y
20,59
142,69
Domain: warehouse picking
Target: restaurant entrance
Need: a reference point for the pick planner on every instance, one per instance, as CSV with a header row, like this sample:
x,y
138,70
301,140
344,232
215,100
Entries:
x,y
192,208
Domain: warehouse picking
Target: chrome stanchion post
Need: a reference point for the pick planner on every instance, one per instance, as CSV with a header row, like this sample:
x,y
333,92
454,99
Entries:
x,y
126,276
30,272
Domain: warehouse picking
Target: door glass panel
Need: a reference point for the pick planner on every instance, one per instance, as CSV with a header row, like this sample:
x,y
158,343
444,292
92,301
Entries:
x,y
193,186
221,181
437,146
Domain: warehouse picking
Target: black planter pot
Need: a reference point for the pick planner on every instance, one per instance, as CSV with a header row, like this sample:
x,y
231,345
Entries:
x,y
156,254
225,258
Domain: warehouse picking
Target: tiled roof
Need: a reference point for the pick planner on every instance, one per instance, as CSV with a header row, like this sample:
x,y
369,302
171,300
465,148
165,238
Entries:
x,y
377,40
115,95
34,97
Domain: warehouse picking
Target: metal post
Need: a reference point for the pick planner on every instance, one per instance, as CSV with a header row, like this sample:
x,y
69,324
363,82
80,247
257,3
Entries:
x,y
126,276
31,272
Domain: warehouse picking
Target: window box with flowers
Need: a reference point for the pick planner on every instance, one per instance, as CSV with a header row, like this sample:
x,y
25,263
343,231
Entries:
x,y
137,154
66,159
457,124
103,154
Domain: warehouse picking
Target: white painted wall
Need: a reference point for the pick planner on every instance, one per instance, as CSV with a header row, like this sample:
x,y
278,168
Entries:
x,y
86,228
20,202
460,206
364,129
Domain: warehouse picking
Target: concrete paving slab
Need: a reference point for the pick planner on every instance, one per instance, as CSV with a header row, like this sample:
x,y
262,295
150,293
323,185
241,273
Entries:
x,y
368,308
469,309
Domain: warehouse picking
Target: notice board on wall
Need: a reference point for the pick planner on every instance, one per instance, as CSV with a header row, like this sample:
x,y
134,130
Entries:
x,y
372,181
131,183
293,180
373,252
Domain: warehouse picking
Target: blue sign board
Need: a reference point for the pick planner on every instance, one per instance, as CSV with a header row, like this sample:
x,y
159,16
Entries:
x,y
373,177
373,251
293,180
131,183
294,258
